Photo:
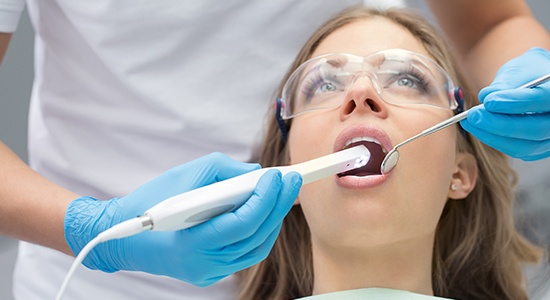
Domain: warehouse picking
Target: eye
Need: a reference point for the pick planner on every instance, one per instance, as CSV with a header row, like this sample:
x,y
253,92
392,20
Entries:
x,y
320,86
327,87
405,81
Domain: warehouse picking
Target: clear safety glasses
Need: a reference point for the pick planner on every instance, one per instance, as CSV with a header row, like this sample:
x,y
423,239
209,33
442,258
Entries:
x,y
398,76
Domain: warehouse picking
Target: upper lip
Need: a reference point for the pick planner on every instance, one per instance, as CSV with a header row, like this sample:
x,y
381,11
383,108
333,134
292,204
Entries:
x,y
361,130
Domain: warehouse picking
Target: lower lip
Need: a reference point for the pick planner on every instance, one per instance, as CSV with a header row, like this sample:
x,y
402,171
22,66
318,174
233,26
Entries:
x,y
357,182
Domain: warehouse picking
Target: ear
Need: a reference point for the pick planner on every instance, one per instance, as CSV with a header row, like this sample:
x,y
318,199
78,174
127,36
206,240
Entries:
x,y
464,176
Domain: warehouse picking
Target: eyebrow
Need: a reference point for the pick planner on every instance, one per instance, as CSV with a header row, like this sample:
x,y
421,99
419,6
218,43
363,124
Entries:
x,y
335,62
338,61
417,64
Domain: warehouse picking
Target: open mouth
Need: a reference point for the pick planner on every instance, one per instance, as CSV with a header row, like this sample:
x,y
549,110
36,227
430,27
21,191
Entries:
x,y
377,153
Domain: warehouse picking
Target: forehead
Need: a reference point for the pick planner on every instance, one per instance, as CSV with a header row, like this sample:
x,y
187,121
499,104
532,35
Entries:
x,y
367,36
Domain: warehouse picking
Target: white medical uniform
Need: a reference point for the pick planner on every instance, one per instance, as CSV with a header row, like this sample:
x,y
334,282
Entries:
x,y
126,89
372,294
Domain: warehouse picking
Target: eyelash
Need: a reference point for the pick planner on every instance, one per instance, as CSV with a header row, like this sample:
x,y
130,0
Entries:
x,y
313,83
420,78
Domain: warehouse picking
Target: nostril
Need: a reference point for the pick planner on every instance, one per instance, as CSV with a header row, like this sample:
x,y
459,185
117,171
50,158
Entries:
x,y
350,107
373,106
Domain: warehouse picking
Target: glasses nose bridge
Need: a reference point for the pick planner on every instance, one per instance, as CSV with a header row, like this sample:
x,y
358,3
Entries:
x,y
363,91
365,72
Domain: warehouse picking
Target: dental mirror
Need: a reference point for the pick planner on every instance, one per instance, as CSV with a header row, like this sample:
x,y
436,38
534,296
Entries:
x,y
391,159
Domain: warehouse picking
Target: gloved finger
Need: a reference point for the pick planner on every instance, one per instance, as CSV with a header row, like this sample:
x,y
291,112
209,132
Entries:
x,y
212,168
519,71
517,101
258,251
197,173
523,149
512,79
286,199
271,224
227,167
534,127
251,257
229,228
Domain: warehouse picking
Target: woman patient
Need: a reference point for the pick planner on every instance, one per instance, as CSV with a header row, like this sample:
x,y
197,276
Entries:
x,y
439,224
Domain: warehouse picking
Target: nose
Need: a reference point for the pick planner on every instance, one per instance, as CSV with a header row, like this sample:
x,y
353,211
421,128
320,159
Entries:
x,y
363,97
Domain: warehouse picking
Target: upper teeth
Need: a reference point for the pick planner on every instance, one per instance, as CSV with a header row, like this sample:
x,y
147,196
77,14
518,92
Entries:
x,y
364,139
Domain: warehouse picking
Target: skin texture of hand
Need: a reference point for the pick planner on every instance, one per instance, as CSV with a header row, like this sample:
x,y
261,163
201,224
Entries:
x,y
486,34
4,42
202,254
515,121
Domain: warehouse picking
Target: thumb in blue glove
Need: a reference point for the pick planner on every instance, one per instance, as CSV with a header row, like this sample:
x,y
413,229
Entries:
x,y
200,255
515,121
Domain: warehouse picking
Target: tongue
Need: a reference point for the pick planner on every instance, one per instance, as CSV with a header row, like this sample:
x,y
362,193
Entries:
x,y
373,166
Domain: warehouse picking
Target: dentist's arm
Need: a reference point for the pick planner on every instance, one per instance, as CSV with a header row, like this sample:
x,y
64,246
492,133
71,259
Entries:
x,y
31,207
4,42
488,33
495,35
39,211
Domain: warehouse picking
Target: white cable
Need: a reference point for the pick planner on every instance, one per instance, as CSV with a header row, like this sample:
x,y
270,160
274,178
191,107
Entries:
x,y
124,229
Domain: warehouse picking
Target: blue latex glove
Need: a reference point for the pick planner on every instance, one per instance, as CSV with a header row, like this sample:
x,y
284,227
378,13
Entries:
x,y
502,123
200,255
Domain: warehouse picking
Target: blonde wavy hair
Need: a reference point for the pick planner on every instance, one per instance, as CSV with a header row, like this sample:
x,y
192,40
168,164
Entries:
x,y
478,253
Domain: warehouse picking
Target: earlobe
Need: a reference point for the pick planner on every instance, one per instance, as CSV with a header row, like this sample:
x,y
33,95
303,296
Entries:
x,y
464,178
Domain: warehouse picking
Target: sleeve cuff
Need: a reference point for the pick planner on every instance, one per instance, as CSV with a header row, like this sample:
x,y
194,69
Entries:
x,y
10,13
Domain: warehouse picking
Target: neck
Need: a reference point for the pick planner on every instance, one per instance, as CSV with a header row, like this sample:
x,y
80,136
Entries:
x,y
404,266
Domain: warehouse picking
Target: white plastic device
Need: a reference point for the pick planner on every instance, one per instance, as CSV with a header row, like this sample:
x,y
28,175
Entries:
x,y
196,206
199,205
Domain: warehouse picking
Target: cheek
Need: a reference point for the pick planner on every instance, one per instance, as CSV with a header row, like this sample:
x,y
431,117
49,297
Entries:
x,y
429,168
308,138
311,136
431,150
427,164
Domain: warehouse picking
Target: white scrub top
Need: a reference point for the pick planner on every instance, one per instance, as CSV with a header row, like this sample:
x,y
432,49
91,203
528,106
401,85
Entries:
x,y
372,294
126,89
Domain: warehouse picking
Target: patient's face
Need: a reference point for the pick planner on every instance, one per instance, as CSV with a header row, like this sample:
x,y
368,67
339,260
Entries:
x,y
374,210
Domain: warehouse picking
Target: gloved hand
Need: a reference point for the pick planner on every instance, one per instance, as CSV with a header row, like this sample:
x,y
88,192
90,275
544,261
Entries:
x,y
515,121
200,255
